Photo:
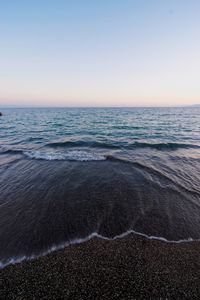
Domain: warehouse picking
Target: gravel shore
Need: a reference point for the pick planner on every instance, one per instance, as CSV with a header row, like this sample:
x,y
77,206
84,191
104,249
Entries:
x,y
129,268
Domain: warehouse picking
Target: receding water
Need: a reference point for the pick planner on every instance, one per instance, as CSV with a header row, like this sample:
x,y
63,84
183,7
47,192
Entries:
x,y
67,173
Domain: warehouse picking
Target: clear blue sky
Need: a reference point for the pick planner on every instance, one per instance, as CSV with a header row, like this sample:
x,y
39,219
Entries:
x,y
99,52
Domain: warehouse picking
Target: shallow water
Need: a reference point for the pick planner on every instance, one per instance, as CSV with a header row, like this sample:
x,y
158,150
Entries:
x,y
67,173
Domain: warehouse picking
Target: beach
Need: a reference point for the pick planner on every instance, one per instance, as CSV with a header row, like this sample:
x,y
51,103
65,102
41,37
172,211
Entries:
x,y
132,267
83,191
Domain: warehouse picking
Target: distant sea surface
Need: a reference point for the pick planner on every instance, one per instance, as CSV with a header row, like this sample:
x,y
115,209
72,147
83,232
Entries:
x,y
69,174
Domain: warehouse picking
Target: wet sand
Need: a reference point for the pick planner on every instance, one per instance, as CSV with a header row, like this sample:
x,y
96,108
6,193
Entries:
x,y
129,268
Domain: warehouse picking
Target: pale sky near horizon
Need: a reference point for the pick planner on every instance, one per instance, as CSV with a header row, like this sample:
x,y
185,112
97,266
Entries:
x,y
99,53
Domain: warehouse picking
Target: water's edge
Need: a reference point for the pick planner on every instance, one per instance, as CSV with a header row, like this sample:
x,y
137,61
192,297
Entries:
x,y
17,260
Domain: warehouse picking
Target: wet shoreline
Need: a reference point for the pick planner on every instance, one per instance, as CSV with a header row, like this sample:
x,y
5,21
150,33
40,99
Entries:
x,y
46,205
129,268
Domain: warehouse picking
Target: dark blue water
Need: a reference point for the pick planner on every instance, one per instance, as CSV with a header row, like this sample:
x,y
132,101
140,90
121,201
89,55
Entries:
x,y
68,173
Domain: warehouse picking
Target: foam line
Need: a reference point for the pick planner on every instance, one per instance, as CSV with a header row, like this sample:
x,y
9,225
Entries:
x,y
16,260
73,155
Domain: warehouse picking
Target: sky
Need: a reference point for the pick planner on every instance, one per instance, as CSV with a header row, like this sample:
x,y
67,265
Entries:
x,y
99,52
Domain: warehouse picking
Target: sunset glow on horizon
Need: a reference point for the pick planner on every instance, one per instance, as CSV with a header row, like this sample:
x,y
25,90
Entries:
x,y
100,53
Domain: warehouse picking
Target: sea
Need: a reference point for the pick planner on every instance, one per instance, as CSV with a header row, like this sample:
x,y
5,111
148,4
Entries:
x,y
70,174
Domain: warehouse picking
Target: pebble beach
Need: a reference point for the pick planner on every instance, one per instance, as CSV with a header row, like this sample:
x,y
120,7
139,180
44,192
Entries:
x,y
133,267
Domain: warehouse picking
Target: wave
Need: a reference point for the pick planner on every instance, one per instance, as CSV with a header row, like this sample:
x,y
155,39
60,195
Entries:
x,y
16,260
73,155
77,143
120,145
13,152
86,154
165,146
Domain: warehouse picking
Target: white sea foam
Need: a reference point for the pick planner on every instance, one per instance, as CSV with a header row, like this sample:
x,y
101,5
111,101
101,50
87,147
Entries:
x,y
73,155
16,260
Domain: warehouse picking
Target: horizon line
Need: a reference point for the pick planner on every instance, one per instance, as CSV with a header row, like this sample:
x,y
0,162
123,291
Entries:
x,y
109,106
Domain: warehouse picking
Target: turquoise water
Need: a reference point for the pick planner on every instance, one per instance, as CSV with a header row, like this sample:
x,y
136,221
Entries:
x,y
69,174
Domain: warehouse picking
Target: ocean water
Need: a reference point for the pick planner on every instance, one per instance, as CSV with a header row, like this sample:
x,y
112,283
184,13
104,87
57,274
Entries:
x,y
69,174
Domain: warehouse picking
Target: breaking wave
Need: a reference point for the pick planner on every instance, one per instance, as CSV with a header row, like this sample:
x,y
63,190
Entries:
x,y
73,155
